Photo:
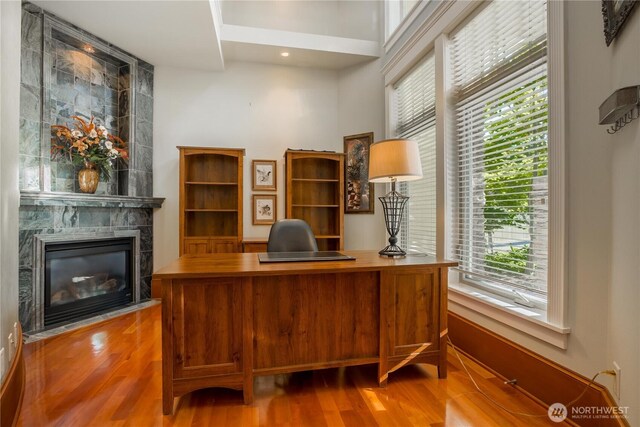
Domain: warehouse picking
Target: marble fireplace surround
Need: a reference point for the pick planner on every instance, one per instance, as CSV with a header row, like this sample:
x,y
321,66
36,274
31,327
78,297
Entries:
x,y
87,85
41,241
61,77
57,217
69,72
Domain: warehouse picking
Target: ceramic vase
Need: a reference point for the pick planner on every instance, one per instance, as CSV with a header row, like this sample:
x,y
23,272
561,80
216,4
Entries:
x,y
88,178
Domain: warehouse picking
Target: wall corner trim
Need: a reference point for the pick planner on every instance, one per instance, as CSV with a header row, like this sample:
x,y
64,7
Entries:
x,y
12,391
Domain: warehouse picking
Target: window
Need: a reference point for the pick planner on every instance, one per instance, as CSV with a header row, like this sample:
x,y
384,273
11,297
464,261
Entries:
x,y
416,119
493,193
499,73
395,12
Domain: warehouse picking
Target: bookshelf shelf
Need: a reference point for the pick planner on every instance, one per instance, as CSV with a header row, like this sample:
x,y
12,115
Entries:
x,y
210,200
314,193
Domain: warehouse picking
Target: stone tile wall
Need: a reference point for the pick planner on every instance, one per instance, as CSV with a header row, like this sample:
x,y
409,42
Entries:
x,y
84,86
30,101
141,173
58,80
79,219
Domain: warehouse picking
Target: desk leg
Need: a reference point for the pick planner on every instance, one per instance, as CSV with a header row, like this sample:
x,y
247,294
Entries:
x,y
247,340
383,376
442,358
247,391
386,299
167,403
167,348
443,283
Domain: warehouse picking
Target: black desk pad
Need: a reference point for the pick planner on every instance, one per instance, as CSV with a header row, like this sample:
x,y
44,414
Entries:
x,y
303,256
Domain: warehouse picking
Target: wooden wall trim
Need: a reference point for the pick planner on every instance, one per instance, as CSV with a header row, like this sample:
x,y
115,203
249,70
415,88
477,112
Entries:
x,y
12,390
538,377
156,289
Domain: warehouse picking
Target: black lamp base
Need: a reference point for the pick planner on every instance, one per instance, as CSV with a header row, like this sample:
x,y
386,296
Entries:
x,y
393,251
393,205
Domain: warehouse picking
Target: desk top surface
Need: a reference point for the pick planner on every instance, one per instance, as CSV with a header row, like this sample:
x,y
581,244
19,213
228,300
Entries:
x,y
247,264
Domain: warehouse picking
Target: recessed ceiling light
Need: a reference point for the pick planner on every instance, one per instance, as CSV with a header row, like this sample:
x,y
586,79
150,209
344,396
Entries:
x,y
87,48
284,54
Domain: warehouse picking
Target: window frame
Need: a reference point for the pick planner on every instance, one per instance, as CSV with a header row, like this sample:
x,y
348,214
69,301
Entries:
x,y
496,284
393,12
550,326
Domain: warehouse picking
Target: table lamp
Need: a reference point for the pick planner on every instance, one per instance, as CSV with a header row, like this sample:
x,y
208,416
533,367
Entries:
x,y
394,160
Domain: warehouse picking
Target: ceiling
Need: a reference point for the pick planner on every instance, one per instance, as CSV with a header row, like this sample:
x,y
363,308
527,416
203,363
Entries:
x,y
192,34
176,33
248,52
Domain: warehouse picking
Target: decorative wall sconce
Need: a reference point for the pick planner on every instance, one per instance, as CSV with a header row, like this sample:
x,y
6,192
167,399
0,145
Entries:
x,y
621,108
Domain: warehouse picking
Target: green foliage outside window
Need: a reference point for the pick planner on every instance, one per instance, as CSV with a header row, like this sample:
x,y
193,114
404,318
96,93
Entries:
x,y
515,153
514,260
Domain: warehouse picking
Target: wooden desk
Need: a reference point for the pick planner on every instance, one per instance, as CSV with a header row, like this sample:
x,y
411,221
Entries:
x,y
227,318
254,245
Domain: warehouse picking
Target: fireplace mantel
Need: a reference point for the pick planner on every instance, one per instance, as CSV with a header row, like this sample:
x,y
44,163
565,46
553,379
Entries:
x,y
39,198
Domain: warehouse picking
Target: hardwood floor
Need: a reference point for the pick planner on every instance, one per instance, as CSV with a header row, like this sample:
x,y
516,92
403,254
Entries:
x,y
109,374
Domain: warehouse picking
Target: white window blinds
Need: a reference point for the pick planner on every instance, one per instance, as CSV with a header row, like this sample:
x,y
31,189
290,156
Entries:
x,y
498,40
500,85
416,115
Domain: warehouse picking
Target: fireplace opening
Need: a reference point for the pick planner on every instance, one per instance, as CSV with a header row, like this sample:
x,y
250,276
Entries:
x,y
84,278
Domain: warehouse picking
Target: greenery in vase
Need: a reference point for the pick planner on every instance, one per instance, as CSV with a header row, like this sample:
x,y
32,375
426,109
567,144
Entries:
x,y
87,143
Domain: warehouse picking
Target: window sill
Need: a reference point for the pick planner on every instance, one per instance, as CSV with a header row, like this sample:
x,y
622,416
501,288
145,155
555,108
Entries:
x,y
528,320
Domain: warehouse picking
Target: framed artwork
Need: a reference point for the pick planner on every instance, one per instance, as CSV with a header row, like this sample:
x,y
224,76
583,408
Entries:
x,y
359,194
264,209
615,13
263,174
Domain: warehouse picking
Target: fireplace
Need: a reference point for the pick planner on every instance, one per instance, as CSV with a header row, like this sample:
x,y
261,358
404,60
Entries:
x,y
83,278
82,275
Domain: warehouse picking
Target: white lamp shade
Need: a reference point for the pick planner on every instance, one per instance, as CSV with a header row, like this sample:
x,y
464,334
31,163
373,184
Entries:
x,y
397,159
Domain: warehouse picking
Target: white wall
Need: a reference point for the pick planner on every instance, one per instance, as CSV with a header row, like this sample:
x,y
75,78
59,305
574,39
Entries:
x,y
603,174
10,13
262,108
360,110
621,62
346,18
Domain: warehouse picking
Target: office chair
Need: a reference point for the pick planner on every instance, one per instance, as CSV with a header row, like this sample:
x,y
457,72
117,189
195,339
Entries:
x,y
291,235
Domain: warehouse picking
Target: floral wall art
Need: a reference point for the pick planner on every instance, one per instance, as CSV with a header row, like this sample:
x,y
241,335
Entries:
x,y
359,193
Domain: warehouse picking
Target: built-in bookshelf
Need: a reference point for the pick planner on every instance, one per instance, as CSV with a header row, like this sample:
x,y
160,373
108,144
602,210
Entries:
x,y
314,193
210,200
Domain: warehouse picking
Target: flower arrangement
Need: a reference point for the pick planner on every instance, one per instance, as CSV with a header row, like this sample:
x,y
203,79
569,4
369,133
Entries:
x,y
88,144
